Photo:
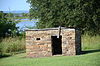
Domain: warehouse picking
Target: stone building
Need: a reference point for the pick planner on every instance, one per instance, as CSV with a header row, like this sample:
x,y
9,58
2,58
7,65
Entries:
x,y
53,41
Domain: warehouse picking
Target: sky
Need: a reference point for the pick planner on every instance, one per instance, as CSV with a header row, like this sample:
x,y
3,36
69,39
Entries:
x,y
14,5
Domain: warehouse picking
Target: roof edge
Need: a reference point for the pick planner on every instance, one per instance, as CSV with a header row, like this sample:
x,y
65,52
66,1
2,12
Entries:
x,y
45,29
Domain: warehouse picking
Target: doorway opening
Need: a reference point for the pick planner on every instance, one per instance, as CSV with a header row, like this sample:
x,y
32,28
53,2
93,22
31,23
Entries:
x,y
56,45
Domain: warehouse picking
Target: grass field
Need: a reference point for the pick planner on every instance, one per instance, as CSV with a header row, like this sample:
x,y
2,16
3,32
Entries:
x,y
90,42
90,59
11,45
90,45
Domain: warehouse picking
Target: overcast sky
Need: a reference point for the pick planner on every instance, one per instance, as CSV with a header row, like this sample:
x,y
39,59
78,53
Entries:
x,y
13,5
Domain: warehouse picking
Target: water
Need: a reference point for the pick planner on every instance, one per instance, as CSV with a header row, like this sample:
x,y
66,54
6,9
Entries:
x,y
26,23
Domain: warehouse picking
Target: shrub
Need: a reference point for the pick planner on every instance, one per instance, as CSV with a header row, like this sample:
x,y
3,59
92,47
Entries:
x,y
12,45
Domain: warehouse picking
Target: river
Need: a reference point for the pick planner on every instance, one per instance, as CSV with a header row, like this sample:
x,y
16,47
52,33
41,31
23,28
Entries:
x,y
26,23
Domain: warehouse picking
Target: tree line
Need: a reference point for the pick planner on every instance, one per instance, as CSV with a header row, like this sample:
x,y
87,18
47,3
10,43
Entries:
x,y
8,25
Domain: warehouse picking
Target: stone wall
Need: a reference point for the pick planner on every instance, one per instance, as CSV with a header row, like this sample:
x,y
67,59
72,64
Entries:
x,y
39,44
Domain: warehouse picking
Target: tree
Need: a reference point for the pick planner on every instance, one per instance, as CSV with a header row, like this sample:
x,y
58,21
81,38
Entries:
x,y
25,14
90,16
83,14
7,25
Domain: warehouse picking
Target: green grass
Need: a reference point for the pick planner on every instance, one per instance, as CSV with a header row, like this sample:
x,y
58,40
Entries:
x,y
90,42
91,59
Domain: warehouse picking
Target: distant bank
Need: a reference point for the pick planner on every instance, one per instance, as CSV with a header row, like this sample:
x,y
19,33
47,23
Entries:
x,y
22,11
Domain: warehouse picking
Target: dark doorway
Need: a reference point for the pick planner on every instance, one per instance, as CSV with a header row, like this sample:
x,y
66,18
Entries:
x,y
56,45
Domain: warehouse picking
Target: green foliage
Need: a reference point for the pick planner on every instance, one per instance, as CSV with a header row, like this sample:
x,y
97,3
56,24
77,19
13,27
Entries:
x,y
31,27
7,24
83,14
25,14
12,45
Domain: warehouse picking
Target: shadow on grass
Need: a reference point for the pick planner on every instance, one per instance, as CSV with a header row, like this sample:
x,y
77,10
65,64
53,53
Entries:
x,y
10,54
82,52
5,55
90,51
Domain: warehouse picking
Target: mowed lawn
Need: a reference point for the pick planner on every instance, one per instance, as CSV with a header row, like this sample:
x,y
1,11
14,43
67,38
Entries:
x,y
91,46
89,59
